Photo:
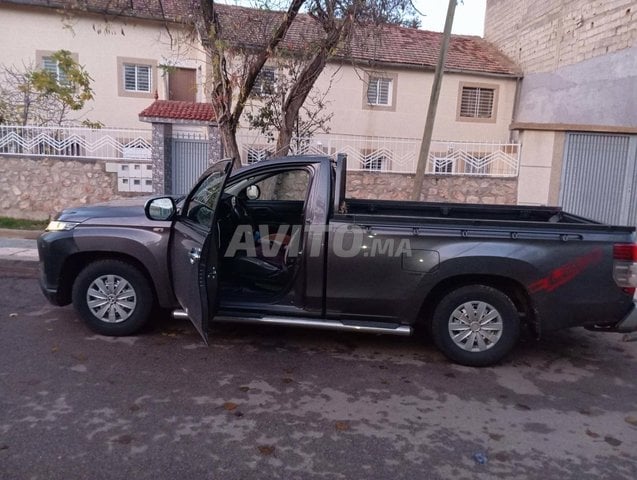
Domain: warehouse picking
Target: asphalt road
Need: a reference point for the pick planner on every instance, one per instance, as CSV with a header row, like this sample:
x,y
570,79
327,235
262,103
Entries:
x,y
284,403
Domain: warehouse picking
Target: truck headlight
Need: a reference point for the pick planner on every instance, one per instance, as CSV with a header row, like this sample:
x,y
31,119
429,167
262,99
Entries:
x,y
57,226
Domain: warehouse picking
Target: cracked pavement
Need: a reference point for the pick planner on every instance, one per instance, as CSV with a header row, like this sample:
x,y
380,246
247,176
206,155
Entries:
x,y
263,402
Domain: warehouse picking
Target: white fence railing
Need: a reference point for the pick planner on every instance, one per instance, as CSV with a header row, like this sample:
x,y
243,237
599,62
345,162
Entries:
x,y
104,143
374,154
397,155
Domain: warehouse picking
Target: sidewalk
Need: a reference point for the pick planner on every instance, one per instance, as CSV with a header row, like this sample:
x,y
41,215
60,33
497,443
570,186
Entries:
x,y
18,245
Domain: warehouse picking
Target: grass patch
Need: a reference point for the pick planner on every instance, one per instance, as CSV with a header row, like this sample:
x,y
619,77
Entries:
x,y
22,224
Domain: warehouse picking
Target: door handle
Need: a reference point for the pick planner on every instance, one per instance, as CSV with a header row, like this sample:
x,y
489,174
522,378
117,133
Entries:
x,y
194,255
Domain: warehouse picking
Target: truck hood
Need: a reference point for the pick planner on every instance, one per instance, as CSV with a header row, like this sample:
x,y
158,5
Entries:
x,y
115,211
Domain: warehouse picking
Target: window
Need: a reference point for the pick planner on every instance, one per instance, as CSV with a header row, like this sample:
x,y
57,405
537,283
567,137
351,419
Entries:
x,y
476,164
287,185
375,160
137,78
379,91
443,163
265,82
477,102
52,66
201,207
44,60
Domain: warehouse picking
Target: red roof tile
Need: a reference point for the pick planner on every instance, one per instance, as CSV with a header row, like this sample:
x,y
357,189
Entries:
x,y
174,110
386,44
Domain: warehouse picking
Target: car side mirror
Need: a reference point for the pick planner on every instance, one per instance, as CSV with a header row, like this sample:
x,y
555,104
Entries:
x,y
161,208
253,192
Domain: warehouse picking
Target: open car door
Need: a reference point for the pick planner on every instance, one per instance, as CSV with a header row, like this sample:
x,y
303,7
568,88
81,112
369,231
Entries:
x,y
194,248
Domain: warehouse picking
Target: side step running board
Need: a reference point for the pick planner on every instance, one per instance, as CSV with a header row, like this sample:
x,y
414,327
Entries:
x,y
349,326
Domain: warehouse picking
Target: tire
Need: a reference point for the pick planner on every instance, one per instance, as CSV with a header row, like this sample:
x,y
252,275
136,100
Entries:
x,y
475,325
106,310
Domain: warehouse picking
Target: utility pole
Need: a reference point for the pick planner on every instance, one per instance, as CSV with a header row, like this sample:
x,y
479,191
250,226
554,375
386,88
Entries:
x,y
433,104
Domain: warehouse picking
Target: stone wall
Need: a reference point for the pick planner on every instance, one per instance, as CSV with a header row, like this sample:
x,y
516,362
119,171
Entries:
x,y
436,188
36,188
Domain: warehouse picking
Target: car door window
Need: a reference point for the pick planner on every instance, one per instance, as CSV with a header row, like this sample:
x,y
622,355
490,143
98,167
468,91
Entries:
x,y
200,207
288,185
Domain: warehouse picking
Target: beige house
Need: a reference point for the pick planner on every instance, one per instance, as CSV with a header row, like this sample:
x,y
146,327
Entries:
x,y
382,91
124,56
576,116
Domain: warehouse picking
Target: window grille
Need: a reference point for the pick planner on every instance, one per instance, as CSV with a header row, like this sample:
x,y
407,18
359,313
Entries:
x,y
137,78
379,91
477,102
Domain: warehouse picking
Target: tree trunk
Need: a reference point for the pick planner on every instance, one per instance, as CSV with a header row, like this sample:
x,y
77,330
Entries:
x,y
229,144
301,89
296,98
285,136
223,91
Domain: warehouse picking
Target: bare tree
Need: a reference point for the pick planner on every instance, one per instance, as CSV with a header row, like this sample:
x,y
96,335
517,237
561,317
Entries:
x,y
270,93
337,21
230,91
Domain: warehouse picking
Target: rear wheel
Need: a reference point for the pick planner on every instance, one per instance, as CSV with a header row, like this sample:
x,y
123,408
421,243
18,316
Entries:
x,y
112,297
475,325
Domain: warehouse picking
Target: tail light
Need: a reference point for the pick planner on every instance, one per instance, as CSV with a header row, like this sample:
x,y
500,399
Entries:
x,y
625,266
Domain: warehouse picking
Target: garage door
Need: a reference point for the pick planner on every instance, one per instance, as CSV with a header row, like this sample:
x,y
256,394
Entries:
x,y
599,177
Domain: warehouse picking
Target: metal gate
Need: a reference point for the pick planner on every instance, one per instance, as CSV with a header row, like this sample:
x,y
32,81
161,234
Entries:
x,y
599,177
189,157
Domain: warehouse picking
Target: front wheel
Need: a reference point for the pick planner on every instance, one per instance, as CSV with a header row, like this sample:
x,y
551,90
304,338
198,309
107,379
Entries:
x,y
475,325
113,297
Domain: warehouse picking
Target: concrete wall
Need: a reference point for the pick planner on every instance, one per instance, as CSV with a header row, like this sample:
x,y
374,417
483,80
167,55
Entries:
x,y
543,35
540,167
598,91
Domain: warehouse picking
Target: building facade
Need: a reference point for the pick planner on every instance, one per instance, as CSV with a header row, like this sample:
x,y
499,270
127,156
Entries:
x,y
576,112
381,91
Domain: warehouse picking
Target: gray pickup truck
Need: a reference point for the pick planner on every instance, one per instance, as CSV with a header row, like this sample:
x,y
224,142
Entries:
x,y
278,242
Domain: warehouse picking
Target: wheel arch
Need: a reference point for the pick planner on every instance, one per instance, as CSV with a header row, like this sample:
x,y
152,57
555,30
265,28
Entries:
x,y
75,263
511,287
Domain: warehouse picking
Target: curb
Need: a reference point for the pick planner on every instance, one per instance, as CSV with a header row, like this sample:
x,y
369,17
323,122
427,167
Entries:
x,y
13,233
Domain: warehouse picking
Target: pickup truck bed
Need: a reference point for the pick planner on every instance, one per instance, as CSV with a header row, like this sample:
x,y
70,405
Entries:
x,y
475,214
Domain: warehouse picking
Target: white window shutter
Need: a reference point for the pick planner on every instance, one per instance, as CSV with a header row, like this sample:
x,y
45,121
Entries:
x,y
130,79
143,78
372,91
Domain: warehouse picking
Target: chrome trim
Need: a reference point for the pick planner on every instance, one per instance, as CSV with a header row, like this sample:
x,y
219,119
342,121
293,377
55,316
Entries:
x,y
319,324
180,315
